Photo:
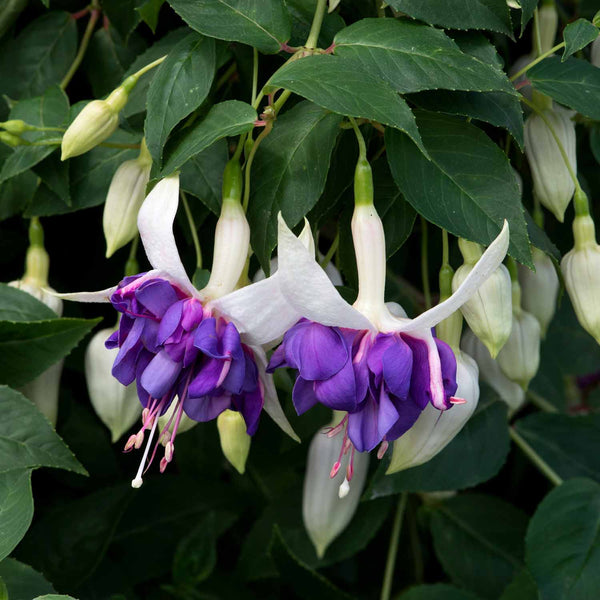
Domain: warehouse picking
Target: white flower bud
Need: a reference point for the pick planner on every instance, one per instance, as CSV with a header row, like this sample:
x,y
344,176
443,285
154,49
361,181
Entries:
x,y
490,372
539,289
125,196
552,183
235,442
327,506
519,359
435,429
548,26
116,405
581,271
488,311
595,54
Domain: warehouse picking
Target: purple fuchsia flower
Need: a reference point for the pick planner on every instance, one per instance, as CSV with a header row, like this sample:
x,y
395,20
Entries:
x,y
196,348
382,369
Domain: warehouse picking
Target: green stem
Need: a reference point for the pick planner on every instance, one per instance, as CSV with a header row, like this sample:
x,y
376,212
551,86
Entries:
x,y
386,588
535,458
445,248
537,40
190,218
362,147
540,58
254,74
541,402
278,105
85,40
424,264
332,250
240,147
263,134
149,66
315,29
131,266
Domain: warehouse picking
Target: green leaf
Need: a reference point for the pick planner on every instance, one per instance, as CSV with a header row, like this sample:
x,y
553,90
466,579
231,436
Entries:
x,y
264,24
55,174
492,15
570,445
40,57
539,238
16,508
27,440
412,57
179,87
527,9
345,87
15,193
480,449
22,581
289,173
574,83
224,119
489,533
29,348
522,587
578,35
468,187
17,305
438,591
476,44
49,110
122,15
149,12
196,554
301,13
563,542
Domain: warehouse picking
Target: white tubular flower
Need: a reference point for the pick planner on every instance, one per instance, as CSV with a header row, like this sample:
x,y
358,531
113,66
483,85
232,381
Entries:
x,y
489,371
235,442
539,289
552,183
488,311
581,271
548,26
519,359
328,504
125,196
116,405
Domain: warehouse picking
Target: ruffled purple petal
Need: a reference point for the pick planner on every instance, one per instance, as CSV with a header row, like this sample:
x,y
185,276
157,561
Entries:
x,y
206,408
397,362
362,426
206,379
160,375
156,295
205,338
170,322
387,415
448,363
277,359
250,405
339,391
408,414
303,395
420,390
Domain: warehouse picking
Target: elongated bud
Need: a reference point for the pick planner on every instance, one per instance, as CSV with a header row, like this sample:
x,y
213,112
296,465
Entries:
x,y
552,183
12,140
519,359
16,126
488,312
324,512
595,53
434,430
125,196
581,271
96,122
539,289
232,237
548,25
235,442
116,405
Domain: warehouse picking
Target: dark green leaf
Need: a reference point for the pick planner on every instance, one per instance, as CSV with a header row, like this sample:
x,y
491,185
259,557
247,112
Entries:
x,y
289,172
595,142
11,9
15,193
22,581
16,508
345,87
468,187
492,15
578,35
122,15
301,12
489,533
196,554
17,305
55,174
224,119
440,591
539,238
200,278
28,349
575,83
476,44
264,24
522,587
480,449
527,9
412,57
179,87
563,542
40,56
570,445
27,440
149,12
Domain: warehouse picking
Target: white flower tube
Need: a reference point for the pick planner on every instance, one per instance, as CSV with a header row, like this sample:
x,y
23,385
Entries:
x,y
548,26
325,513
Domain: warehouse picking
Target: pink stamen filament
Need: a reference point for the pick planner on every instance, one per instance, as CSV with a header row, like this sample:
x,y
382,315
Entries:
x,y
454,400
137,482
382,449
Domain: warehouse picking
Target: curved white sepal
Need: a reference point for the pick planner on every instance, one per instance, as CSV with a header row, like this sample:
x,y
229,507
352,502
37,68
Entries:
x,y
155,224
99,296
307,239
308,289
486,265
272,406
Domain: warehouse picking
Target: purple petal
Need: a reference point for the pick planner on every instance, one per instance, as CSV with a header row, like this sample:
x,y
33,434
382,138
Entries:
x,y
387,415
234,382
160,375
420,390
192,315
408,414
448,362
124,366
339,391
205,338
170,321
303,395
156,295
205,381
112,340
231,343
397,363
362,426
206,408
277,359
250,405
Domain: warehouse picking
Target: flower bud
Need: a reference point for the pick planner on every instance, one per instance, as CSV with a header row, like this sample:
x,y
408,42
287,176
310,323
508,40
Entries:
x,y
116,405
581,271
595,53
125,196
16,126
539,289
12,140
327,506
434,430
519,359
235,442
548,26
488,312
96,122
490,372
552,183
